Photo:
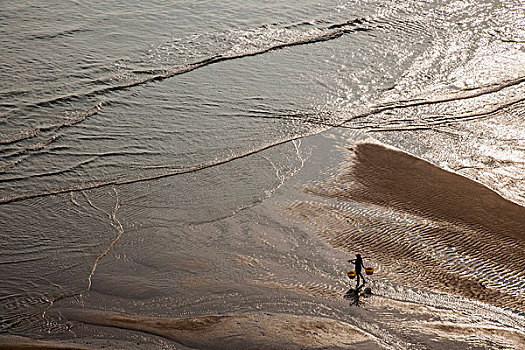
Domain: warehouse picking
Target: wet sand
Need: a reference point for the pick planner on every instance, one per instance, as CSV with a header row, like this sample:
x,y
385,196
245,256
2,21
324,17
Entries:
x,y
423,226
441,261
12,342
235,331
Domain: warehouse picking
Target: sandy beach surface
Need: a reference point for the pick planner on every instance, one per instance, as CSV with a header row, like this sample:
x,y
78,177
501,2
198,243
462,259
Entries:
x,y
425,295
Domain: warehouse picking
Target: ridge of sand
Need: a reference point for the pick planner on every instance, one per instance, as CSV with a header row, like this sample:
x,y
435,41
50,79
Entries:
x,y
237,331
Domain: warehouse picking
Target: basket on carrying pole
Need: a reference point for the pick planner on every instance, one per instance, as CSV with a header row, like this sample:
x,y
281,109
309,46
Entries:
x,y
351,274
369,270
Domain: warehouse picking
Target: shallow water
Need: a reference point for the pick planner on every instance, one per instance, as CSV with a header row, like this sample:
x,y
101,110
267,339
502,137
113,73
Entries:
x,y
191,159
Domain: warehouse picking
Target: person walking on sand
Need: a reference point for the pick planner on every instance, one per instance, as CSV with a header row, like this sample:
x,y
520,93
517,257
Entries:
x,y
358,262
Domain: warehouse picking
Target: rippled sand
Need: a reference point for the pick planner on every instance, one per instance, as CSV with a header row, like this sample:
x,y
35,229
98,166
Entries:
x,y
447,251
423,226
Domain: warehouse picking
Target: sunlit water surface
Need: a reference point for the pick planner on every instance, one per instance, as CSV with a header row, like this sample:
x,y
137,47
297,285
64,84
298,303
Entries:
x,y
154,157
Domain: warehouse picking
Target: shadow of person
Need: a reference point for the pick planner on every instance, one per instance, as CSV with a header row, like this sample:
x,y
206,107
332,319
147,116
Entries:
x,y
354,295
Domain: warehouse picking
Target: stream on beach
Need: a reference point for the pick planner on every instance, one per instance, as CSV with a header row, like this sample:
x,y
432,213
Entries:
x,y
197,174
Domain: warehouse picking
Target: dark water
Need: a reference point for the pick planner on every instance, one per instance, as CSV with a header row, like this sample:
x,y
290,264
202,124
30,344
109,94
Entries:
x,y
153,157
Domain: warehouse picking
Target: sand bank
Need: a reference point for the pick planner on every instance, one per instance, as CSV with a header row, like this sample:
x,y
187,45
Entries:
x,y
237,331
423,225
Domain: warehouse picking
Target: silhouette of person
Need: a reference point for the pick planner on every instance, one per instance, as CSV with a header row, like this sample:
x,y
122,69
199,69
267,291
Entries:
x,y
358,262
